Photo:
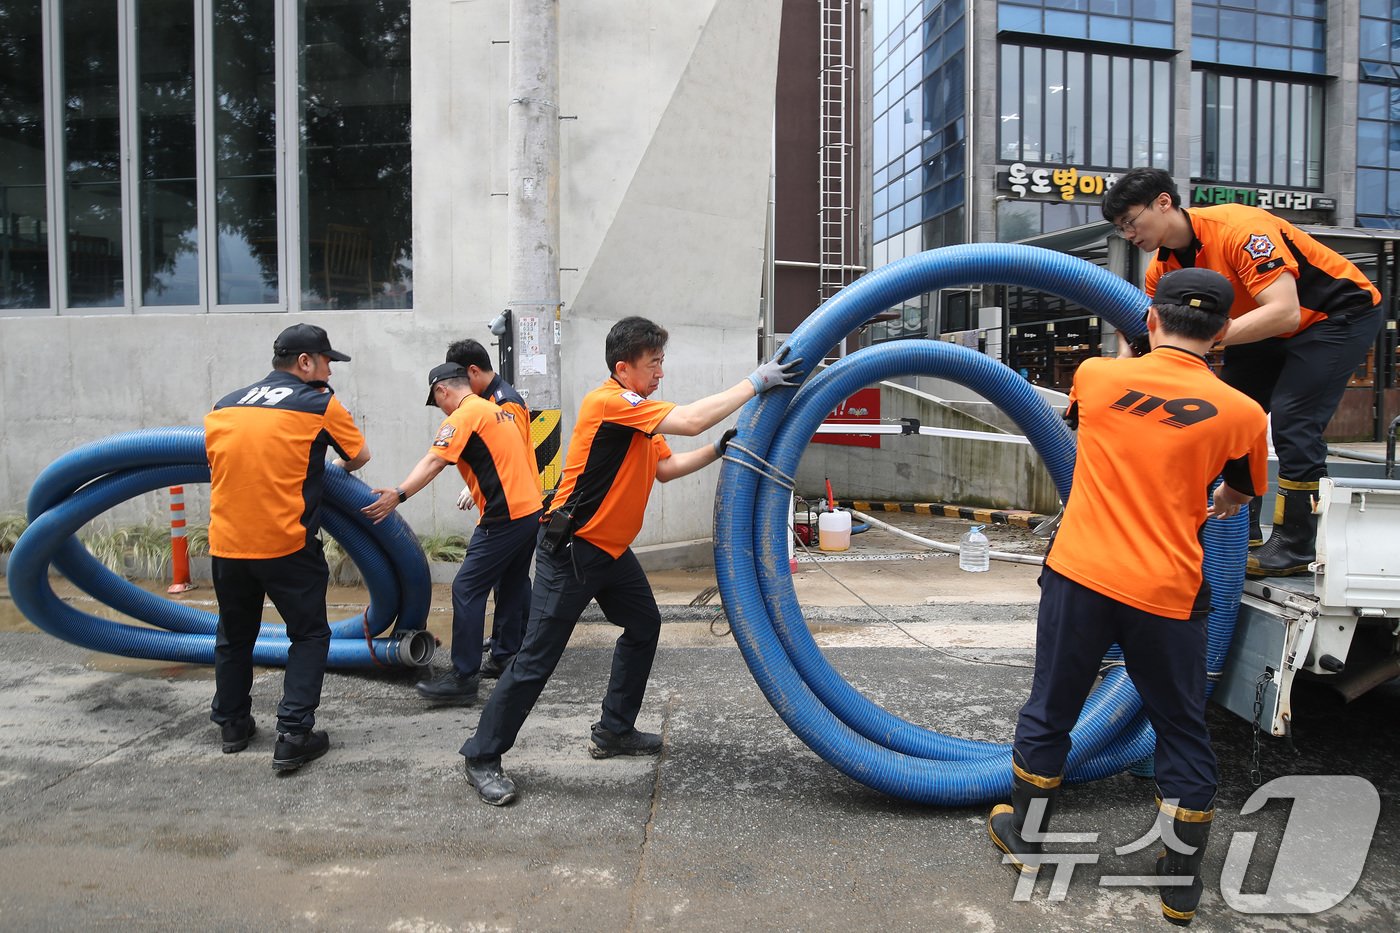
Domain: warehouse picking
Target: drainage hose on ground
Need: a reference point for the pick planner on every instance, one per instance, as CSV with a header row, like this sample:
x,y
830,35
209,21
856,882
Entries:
x,y
856,735
92,479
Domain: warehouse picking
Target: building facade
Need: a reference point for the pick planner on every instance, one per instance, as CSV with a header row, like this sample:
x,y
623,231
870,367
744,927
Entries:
x,y
181,179
1005,120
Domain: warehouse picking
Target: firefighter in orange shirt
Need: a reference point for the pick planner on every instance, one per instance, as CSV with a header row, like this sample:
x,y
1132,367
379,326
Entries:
x,y
1302,322
584,552
481,438
1125,568
506,632
267,448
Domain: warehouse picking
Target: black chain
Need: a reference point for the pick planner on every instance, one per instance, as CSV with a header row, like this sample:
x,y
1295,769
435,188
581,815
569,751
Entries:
x,y
1255,775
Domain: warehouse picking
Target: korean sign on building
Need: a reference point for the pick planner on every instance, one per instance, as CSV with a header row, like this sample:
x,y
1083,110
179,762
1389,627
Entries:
x,y
1270,199
1065,182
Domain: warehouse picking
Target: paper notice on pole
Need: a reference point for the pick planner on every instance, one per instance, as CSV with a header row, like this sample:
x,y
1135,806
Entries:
x,y
530,357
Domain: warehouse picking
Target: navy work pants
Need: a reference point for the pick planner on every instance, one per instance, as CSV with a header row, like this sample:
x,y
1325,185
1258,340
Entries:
x,y
565,581
296,584
1299,380
498,557
1166,658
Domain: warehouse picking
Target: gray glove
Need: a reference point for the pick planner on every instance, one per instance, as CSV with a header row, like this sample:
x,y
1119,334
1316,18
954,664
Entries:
x,y
724,440
774,373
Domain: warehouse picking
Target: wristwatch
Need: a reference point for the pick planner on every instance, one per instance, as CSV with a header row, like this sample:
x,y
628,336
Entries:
x,y
403,496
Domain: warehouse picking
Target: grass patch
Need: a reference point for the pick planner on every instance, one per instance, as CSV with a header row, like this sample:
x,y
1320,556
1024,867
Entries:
x,y
11,527
444,548
134,551
143,551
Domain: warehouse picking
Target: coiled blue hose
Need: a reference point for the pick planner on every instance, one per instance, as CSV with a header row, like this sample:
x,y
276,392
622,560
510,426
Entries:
x,y
857,736
91,479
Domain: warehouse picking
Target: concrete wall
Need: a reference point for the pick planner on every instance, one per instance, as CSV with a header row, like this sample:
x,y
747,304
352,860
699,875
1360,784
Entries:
x,y
664,176
930,469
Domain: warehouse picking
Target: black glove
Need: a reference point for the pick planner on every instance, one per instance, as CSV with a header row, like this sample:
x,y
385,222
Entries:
x,y
724,440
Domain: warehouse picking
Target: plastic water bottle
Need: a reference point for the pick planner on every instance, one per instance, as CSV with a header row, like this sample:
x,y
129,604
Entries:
x,y
974,551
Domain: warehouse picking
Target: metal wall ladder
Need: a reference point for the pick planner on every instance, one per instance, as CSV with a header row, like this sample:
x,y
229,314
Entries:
x,y
834,152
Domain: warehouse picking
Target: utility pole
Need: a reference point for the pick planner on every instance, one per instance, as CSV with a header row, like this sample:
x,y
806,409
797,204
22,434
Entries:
x,y
532,229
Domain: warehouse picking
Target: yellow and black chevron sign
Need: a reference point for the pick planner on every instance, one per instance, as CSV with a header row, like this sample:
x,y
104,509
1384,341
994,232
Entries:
x,y
1019,517
545,437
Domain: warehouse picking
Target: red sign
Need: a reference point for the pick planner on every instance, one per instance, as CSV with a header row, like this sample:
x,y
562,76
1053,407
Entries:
x,y
861,408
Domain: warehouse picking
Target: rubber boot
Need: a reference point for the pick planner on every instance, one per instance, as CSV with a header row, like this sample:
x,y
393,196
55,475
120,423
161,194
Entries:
x,y
1007,823
1292,546
1186,846
1256,533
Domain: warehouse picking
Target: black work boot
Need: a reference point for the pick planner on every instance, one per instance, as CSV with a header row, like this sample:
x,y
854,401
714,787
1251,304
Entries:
x,y
1032,798
450,687
295,749
1256,532
1185,832
605,744
492,784
1292,546
235,735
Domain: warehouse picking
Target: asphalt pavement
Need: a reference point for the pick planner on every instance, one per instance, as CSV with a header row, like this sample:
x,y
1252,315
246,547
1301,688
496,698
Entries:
x,y
119,811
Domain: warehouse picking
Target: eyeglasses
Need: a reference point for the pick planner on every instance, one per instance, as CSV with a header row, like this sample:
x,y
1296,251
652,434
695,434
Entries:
x,y
1129,225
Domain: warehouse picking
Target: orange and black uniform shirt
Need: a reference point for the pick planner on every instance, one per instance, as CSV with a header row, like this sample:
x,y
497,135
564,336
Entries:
x,y
505,395
611,465
1154,432
482,439
1252,248
267,459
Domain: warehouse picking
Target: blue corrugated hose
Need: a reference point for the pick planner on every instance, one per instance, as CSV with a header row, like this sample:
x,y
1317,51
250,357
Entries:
x,y
88,481
857,736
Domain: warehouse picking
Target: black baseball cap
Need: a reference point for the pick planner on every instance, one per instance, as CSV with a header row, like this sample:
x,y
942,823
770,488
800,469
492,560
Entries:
x,y
444,371
307,338
1204,289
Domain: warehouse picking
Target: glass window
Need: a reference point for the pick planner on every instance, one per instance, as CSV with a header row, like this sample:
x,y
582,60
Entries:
x,y
245,153
1264,142
1270,28
1272,56
1069,25
1205,20
1244,119
1054,105
1161,113
1210,130
1011,102
1018,18
168,187
1297,175
1236,53
1375,39
182,181
1121,126
1370,186
1032,106
1228,125
1197,122
1074,108
1237,24
92,154
1371,143
1235,140
24,216
1104,29
1098,136
1153,35
1141,114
